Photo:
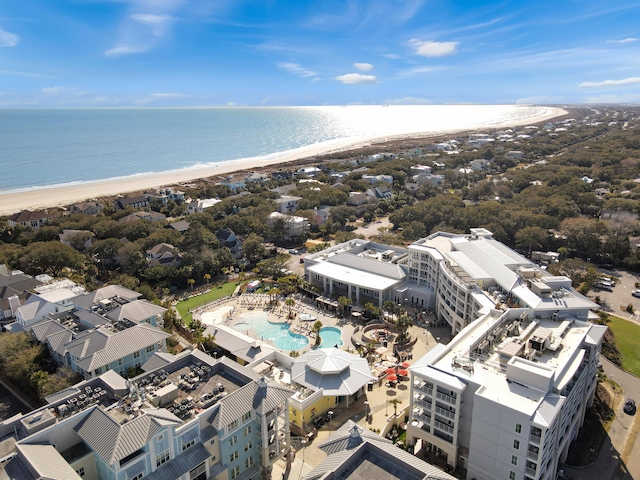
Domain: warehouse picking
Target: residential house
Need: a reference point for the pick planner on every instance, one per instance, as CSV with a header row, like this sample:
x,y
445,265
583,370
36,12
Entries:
x,y
86,208
163,254
256,177
358,200
287,203
479,165
231,241
308,171
516,155
288,227
150,216
232,183
27,218
428,179
380,192
321,214
198,206
137,202
281,175
81,239
180,226
372,179
15,288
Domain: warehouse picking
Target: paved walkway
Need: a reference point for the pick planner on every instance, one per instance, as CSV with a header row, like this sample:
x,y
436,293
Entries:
x,y
382,412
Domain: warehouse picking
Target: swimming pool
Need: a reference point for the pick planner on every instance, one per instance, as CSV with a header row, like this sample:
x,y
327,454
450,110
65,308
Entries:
x,y
278,333
331,337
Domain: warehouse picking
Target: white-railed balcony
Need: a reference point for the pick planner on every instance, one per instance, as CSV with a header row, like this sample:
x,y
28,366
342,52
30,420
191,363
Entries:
x,y
446,398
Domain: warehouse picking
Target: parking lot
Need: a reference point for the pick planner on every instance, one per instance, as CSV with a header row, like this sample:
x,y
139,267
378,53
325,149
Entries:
x,y
616,299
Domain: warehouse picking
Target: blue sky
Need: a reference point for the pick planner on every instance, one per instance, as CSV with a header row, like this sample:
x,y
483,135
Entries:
x,y
322,52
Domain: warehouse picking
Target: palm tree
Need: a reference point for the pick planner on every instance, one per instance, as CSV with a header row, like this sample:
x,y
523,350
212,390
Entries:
x,y
317,325
403,323
273,294
395,402
294,354
191,282
343,303
290,302
207,277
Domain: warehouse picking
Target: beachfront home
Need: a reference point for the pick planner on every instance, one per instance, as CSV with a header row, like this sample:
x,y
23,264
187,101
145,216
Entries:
x,y
232,183
198,206
27,218
308,171
256,177
139,201
193,418
86,208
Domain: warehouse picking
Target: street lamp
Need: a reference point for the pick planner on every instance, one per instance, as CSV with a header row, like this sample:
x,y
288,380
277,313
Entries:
x,y
303,443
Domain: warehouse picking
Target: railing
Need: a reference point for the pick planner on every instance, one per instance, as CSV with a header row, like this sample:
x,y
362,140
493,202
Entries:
x,y
534,439
533,455
443,427
445,413
446,398
530,471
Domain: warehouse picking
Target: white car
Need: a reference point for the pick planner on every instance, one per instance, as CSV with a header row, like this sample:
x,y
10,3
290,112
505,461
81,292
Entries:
x,y
636,293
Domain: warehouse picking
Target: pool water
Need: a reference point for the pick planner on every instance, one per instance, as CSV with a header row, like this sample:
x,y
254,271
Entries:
x,y
331,337
278,333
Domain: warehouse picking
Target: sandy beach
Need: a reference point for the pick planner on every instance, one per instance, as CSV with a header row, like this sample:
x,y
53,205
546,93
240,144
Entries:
x,y
65,195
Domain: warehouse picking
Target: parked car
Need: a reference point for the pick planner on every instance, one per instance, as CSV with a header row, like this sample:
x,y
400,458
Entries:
x,y
636,293
629,406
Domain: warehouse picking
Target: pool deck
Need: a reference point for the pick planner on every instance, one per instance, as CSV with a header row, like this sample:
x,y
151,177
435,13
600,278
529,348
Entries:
x,y
377,401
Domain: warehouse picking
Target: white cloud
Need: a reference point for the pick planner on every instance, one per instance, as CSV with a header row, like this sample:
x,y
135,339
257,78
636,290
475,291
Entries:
x,y
123,50
392,56
8,39
356,79
610,83
624,40
296,69
363,67
433,49
157,23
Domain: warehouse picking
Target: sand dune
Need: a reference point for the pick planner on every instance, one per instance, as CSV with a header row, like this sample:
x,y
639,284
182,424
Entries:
x,y
65,195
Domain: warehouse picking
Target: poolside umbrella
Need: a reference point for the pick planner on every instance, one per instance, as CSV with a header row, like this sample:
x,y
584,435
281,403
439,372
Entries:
x,y
404,364
390,371
403,373
392,378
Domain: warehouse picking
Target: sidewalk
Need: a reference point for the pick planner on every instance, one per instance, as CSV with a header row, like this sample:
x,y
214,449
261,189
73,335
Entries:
x,y
378,405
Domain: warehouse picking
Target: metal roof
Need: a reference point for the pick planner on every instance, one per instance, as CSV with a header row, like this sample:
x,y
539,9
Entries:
x,y
46,462
183,463
136,311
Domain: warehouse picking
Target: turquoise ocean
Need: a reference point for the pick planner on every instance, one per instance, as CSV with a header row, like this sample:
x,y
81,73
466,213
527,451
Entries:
x,y
41,148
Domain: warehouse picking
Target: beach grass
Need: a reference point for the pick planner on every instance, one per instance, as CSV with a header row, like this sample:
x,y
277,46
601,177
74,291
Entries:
x,y
626,334
214,293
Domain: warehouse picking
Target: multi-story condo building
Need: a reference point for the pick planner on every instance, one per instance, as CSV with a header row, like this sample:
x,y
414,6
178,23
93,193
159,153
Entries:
x,y
505,398
193,418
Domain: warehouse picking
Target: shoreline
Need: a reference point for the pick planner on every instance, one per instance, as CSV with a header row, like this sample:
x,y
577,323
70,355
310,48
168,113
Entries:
x,y
61,196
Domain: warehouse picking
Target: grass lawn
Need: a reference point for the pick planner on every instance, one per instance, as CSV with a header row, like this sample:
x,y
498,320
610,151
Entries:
x,y
213,294
627,334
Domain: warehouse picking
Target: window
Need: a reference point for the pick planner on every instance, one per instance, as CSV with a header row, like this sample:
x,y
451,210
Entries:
x,y
198,473
248,446
80,472
151,348
232,425
512,475
119,362
233,456
247,431
518,428
235,472
248,462
514,459
136,354
137,477
516,444
190,443
162,458
160,438
233,440
246,417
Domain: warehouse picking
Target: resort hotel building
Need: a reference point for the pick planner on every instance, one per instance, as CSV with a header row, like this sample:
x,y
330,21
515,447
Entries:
x,y
505,398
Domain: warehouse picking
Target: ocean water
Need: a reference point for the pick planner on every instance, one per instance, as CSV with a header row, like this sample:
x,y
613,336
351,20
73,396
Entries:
x,y
41,148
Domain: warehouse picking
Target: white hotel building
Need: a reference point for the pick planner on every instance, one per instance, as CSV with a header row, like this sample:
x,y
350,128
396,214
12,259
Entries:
x,y
505,398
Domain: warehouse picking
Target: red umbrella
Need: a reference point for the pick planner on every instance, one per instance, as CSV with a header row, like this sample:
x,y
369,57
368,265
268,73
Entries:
x,y
404,364
392,378
390,371
403,373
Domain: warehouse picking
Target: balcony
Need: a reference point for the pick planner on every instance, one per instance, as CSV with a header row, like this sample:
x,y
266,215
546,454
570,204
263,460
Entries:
x,y
530,471
444,427
445,413
446,398
535,439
